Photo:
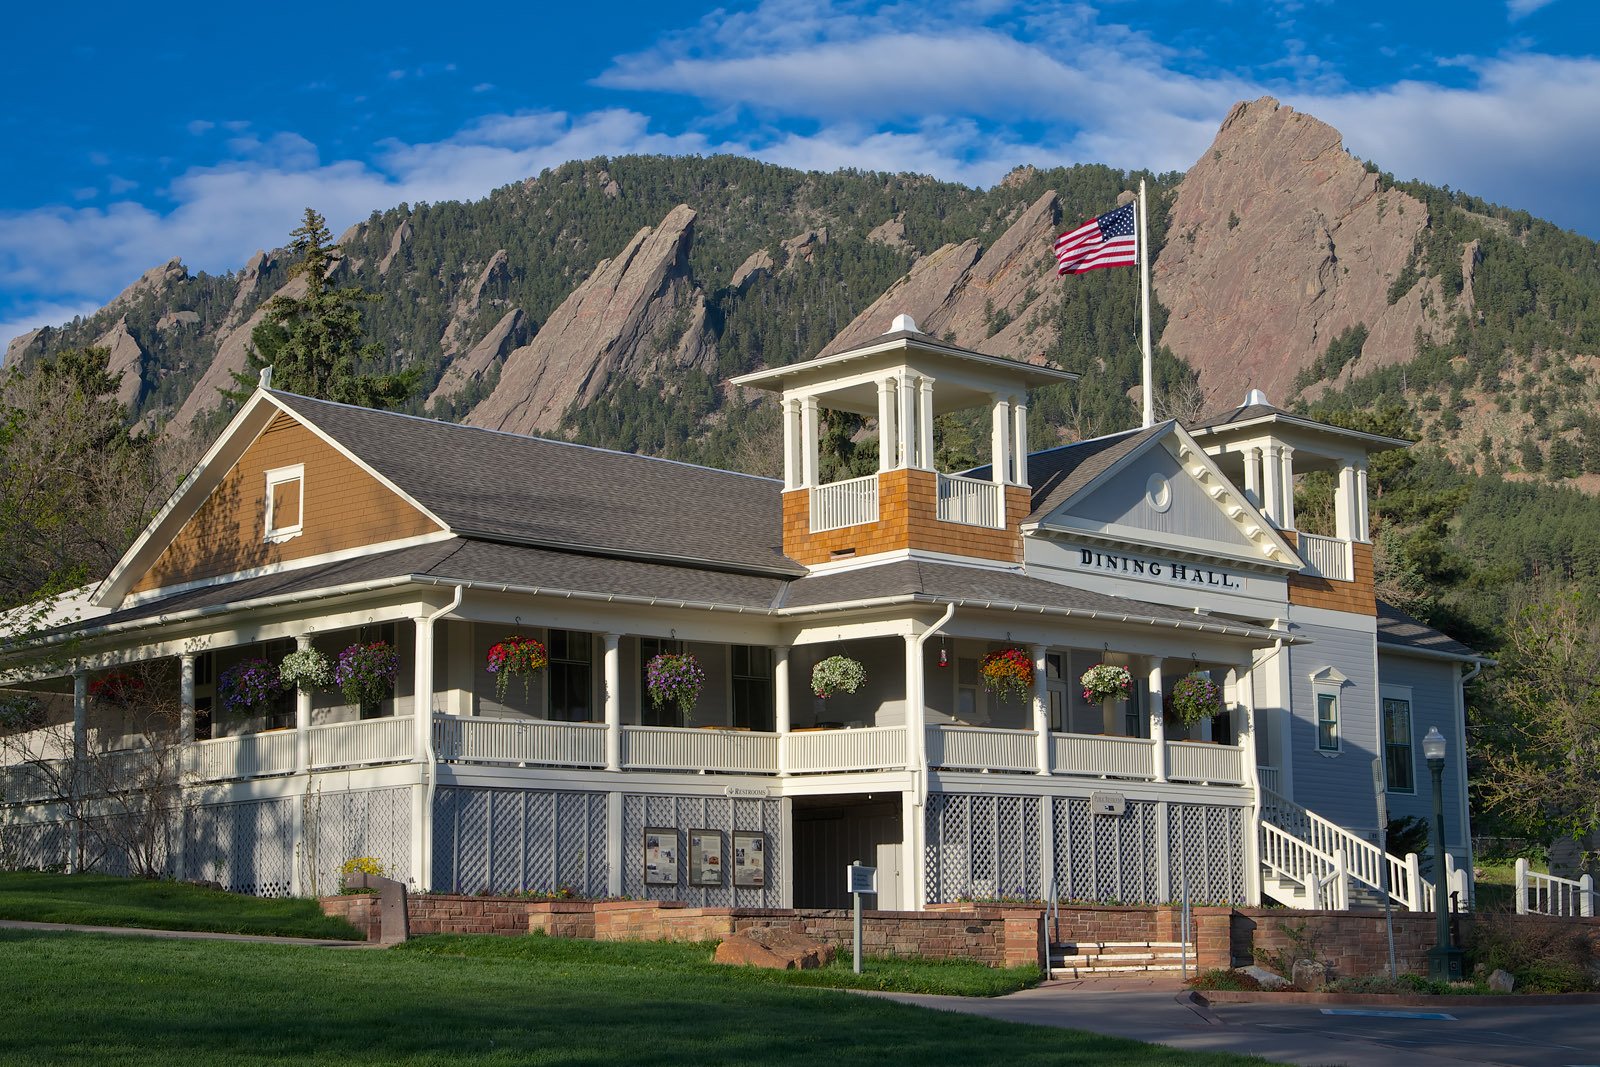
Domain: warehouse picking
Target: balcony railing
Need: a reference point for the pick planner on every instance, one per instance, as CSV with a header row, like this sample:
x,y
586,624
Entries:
x,y
243,756
1097,756
520,742
364,741
972,501
665,748
977,748
1201,761
841,504
876,748
1326,557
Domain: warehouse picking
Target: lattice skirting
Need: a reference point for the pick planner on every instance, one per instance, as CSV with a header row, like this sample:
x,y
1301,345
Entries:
x,y
987,846
683,813
340,826
505,840
35,846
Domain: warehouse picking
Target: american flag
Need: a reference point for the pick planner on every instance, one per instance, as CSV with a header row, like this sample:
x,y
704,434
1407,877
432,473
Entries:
x,y
1107,241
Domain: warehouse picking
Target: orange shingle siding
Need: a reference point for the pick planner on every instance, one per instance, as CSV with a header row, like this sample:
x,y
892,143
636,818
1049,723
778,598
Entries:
x,y
345,507
908,504
1356,596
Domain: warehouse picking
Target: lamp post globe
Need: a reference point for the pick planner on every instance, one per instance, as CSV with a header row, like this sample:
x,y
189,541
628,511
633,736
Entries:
x,y
1444,959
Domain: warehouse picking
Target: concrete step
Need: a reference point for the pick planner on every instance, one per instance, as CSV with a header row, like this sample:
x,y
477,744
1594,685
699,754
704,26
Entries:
x,y
1069,971
1086,959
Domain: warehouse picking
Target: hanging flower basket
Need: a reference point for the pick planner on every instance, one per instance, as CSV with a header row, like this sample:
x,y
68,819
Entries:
x,y
1009,672
515,657
1194,697
675,678
306,669
365,673
837,674
250,687
116,688
1106,681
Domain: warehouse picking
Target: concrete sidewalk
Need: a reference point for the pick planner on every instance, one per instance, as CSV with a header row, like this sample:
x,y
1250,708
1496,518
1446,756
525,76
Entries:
x,y
1172,1016
182,935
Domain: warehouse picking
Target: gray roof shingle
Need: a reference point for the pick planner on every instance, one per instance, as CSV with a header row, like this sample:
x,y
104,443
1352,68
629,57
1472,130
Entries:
x,y
1398,630
1056,474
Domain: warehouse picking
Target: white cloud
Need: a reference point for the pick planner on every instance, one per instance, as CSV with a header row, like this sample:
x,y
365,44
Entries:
x,y
1516,9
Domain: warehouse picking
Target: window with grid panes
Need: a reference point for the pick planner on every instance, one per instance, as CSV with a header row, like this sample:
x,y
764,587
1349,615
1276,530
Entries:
x,y
1397,754
752,687
571,673
1328,722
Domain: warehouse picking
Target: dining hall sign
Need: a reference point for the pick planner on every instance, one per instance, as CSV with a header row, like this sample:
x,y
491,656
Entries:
x,y
1169,572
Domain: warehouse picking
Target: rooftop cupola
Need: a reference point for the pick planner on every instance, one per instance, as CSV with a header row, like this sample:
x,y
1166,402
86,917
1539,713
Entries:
x,y
904,379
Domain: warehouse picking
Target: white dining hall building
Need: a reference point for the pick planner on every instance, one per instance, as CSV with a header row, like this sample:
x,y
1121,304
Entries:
x,y
1169,551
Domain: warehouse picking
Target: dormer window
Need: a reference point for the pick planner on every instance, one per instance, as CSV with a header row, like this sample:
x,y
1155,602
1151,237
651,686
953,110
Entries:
x,y
285,503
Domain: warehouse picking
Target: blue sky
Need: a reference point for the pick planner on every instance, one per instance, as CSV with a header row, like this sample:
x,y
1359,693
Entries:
x,y
134,133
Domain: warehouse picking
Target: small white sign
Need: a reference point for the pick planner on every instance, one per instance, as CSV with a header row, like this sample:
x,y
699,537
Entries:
x,y
1108,803
861,879
745,792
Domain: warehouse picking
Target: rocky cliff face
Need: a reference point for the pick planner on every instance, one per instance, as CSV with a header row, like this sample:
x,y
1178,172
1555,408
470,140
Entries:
x,y
1280,240
637,311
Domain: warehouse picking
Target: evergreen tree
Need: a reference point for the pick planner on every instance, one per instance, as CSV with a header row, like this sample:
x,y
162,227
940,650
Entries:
x,y
313,343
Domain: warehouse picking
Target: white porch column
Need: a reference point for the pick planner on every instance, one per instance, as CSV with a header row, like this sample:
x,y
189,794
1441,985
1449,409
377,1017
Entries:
x,y
422,733
906,424
925,424
810,415
886,425
186,698
915,712
1252,476
1158,722
1344,504
613,697
781,712
912,813
1041,708
302,712
80,749
1288,488
1363,520
1019,440
1240,681
999,439
791,443
1273,502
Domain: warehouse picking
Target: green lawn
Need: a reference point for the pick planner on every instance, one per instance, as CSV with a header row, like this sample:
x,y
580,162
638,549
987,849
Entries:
x,y
101,900
86,999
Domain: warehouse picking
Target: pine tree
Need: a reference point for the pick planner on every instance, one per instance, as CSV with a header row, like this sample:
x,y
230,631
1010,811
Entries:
x,y
313,343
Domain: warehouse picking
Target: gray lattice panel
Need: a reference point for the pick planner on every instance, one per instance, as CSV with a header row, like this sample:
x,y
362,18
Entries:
x,y
1107,857
34,846
248,848
683,814
981,846
1206,845
340,826
504,840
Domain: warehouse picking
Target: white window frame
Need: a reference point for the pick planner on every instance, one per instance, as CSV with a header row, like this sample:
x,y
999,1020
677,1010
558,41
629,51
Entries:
x,y
1328,681
276,477
1398,692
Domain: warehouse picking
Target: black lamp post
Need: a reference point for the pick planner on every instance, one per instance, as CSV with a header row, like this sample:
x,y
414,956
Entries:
x,y
1444,959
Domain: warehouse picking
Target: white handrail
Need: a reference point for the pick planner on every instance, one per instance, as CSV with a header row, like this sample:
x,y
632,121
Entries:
x,y
973,501
520,741
1364,857
670,748
875,748
1202,761
852,502
1322,875
981,748
1326,557
1549,894
1102,756
361,741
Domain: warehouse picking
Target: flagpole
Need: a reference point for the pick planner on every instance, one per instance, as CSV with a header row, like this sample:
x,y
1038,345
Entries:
x,y
1144,311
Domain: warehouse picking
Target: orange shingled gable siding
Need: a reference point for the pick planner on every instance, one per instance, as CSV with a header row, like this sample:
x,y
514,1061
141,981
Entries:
x,y
345,508
908,510
1355,596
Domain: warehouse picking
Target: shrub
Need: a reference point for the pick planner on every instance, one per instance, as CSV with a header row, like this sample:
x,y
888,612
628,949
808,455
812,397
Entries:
x,y
368,865
1544,957
1220,978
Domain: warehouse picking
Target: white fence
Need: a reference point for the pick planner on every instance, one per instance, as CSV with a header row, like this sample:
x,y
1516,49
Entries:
x,y
1271,778
825,751
244,756
666,748
1103,757
1363,860
1546,894
1328,557
981,748
841,504
1200,761
971,501
524,742
362,741
1321,875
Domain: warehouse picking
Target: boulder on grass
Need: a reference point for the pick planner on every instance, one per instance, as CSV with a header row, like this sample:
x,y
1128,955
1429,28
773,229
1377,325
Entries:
x,y
781,950
1310,975
1502,981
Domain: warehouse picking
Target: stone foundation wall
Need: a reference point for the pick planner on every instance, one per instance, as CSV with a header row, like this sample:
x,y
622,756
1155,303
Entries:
x,y
441,913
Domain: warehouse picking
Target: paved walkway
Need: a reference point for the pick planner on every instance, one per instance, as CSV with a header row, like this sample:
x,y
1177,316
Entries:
x,y
1526,1036
182,935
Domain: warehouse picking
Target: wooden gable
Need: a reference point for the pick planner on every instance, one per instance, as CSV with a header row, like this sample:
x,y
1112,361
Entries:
x,y
343,508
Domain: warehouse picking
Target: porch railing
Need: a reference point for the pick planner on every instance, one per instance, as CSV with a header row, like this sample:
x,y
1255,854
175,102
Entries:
x,y
244,756
875,748
524,742
847,503
1270,778
667,748
1327,557
981,748
362,741
1364,860
972,501
1201,761
1102,757
1320,874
